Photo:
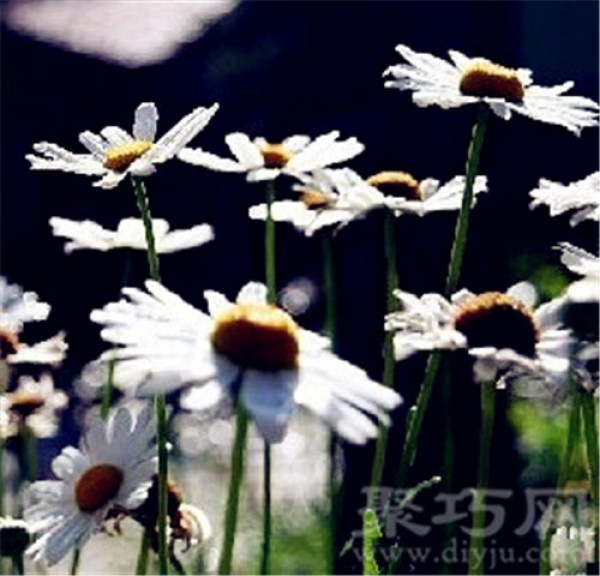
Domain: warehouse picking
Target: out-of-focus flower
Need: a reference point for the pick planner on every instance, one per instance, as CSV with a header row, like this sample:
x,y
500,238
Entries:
x,y
338,196
111,470
262,160
470,80
35,404
571,549
130,233
582,196
114,153
499,330
249,349
17,308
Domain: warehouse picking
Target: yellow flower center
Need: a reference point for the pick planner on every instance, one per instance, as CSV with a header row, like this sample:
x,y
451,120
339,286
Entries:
x,y
275,155
258,336
498,320
119,158
9,343
97,486
25,403
484,78
398,184
314,200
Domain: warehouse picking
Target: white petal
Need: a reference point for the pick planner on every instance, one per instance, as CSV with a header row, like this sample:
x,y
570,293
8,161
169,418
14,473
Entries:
x,y
245,151
144,126
252,293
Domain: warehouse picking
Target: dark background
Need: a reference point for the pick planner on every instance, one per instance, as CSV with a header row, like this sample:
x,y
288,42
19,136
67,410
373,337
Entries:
x,y
282,68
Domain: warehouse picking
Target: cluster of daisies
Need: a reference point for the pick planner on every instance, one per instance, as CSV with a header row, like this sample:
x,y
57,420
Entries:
x,y
249,351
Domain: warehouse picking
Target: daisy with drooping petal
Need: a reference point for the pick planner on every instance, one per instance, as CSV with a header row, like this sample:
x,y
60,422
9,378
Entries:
x,y
470,80
33,403
111,471
130,233
249,349
262,160
501,331
338,196
114,153
582,196
17,308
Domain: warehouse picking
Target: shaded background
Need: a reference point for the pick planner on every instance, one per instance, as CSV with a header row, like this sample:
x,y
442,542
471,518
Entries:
x,y
282,68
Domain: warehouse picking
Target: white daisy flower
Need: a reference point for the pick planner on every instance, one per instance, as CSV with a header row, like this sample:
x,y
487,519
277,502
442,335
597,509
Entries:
x,y
35,404
130,233
499,330
17,308
114,153
339,196
262,160
470,80
111,470
582,196
249,349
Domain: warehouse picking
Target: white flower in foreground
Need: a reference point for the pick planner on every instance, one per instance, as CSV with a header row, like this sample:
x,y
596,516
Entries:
x,y
583,196
571,550
130,233
469,80
33,403
17,308
262,160
499,330
250,350
111,471
584,264
114,153
338,196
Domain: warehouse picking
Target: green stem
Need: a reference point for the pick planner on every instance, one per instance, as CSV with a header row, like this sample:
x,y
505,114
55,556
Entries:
x,y
144,208
334,486
462,224
573,432
389,363
271,281
141,565
415,418
488,406
266,543
416,413
160,406
75,561
235,481
160,400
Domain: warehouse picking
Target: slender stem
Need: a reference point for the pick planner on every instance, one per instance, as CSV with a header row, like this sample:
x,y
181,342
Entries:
x,y
160,403
416,413
235,481
334,485
75,561
18,564
488,407
160,406
573,433
271,281
462,224
266,543
415,418
141,565
389,363
144,208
